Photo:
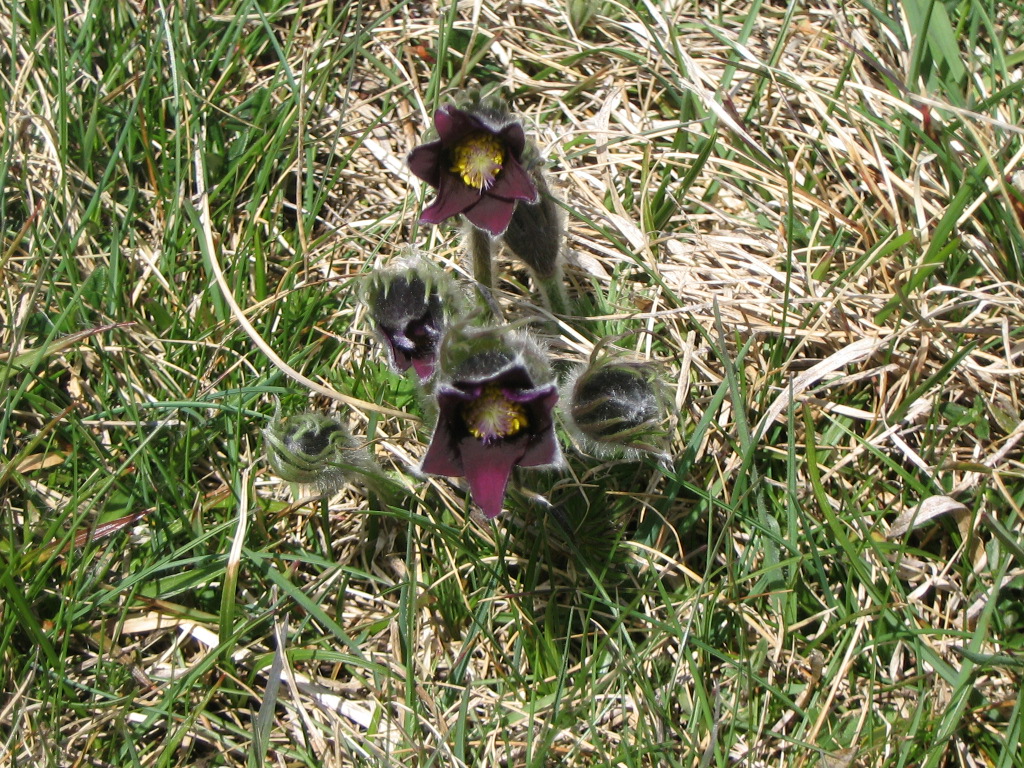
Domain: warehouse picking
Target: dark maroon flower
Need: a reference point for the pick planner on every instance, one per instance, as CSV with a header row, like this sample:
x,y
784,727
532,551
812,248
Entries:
x,y
476,167
494,413
410,306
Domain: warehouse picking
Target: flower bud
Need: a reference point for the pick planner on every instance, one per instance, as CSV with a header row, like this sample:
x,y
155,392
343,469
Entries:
x,y
617,406
537,230
315,449
410,305
495,394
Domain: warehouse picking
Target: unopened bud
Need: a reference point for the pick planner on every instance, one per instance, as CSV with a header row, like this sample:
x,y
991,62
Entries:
x,y
617,406
410,305
315,449
537,230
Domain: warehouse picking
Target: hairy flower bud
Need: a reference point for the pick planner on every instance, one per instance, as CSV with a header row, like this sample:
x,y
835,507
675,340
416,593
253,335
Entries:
x,y
537,230
410,305
617,406
315,449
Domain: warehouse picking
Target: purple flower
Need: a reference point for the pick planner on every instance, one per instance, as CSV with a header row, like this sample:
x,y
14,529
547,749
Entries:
x,y
494,413
410,307
476,166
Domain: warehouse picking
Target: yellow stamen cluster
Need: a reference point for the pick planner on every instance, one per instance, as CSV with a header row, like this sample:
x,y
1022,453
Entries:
x,y
478,159
493,416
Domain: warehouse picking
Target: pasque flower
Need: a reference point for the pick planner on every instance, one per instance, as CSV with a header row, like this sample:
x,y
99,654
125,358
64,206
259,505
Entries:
x,y
315,449
476,166
617,406
536,231
410,305
494,396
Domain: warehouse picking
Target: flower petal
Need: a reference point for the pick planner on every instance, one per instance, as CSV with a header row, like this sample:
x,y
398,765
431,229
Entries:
x,y
425,162
515,139
487,470
544,452
514,183
491,214
543,448
424,367
547,396
442,457
453,124
453,198
400,358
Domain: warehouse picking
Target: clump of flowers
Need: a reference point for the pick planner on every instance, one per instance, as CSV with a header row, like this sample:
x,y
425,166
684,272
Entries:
x,y
489,384
494,400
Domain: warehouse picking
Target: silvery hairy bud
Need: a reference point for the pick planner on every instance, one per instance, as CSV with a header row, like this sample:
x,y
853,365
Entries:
x,y
617,406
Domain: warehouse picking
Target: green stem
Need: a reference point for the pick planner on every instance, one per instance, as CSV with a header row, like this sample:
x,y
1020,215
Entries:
x,y
552,289
480,246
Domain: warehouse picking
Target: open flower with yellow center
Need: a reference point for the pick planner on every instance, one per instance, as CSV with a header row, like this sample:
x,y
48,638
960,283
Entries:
x,y
494,413
476,166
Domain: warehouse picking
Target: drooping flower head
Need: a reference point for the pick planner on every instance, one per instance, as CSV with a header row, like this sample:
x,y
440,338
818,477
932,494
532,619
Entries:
x,y
476,166
536,235
618,406
494,396
410,305
315,449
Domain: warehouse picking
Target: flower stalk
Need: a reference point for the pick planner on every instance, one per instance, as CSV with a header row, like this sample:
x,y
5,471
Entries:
x,y
481,250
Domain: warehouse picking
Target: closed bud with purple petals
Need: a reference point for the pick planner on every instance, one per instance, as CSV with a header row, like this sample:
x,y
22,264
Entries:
x,y
537,230
410,305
